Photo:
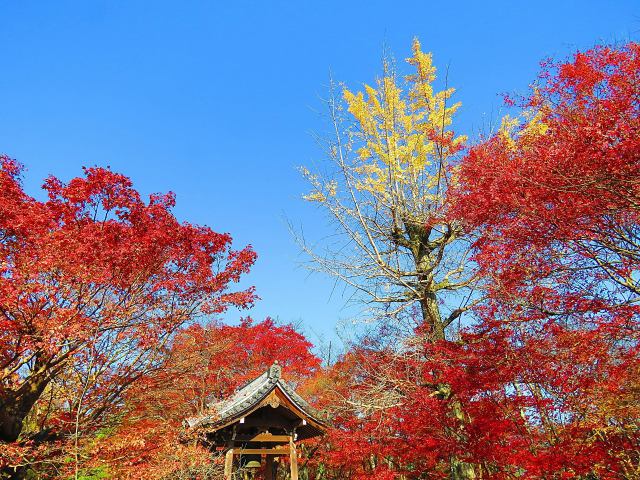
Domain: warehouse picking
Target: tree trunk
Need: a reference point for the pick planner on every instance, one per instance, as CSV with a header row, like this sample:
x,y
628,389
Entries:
x,y
462,470
431,316
10,474
15,407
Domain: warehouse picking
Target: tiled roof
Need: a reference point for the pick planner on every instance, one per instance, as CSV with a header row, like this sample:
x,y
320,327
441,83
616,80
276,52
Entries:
x,y
250,396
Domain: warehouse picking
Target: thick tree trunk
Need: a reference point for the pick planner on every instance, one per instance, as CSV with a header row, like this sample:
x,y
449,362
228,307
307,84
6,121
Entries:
x,y
426,259
16,404
431,316
15,407
11,474
11,420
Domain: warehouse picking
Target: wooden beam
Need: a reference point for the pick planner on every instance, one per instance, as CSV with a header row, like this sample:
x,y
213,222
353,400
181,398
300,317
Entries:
x,y
261,451
263,437
293,458
228,465
292,407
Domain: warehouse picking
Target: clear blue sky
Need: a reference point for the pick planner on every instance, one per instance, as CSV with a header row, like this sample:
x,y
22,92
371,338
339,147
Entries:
x,y
215,100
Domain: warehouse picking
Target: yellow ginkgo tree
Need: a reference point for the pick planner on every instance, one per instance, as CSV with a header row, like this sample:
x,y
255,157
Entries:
x,y
392,154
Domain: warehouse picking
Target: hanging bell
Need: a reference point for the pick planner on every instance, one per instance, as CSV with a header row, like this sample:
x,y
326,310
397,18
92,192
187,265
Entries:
x,y
252,468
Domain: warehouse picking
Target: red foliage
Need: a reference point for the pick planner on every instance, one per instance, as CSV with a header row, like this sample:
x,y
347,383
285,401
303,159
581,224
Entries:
x,y
545,384
564,205
205,364
558,209
93,282
509,402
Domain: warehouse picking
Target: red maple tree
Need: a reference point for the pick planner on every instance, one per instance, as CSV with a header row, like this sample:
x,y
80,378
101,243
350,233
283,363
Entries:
x,y
545,383
557,202
205,364
94,281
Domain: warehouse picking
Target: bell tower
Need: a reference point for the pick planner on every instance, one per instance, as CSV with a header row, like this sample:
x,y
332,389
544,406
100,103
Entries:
x,y
259,423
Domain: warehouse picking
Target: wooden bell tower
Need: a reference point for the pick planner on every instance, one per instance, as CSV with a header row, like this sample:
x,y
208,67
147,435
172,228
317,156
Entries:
x,y
261,421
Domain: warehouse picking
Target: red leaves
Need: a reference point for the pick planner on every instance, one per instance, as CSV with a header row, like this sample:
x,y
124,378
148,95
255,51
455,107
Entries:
x,y
93,284
541,385
557,215
581,169
204,364
559,206
507,400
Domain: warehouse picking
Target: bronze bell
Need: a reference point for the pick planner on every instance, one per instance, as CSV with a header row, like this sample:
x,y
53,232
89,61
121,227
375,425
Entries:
x,y
252,468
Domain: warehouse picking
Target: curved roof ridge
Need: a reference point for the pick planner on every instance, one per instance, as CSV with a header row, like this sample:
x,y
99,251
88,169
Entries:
x,y
249,396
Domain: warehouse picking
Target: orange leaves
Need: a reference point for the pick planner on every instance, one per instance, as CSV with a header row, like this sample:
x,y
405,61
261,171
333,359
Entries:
x,y
204,364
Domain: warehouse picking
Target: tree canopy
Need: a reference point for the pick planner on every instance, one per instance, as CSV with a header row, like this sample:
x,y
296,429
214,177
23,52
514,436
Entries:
x,y
110,308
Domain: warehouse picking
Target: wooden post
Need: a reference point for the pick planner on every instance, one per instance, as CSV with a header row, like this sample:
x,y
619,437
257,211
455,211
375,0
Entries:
x,y
293,457
268,475
228,465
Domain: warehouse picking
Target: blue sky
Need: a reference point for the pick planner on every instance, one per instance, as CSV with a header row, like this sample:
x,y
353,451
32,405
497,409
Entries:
x,y
215,101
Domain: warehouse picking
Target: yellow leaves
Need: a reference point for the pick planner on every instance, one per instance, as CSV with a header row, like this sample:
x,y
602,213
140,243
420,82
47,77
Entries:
x,y
372,95
399,134
357,106
332,188
535,125
459,141
508,126
371,178
441,115
364,153
315,197
397,141
322,190
524,128
425,74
